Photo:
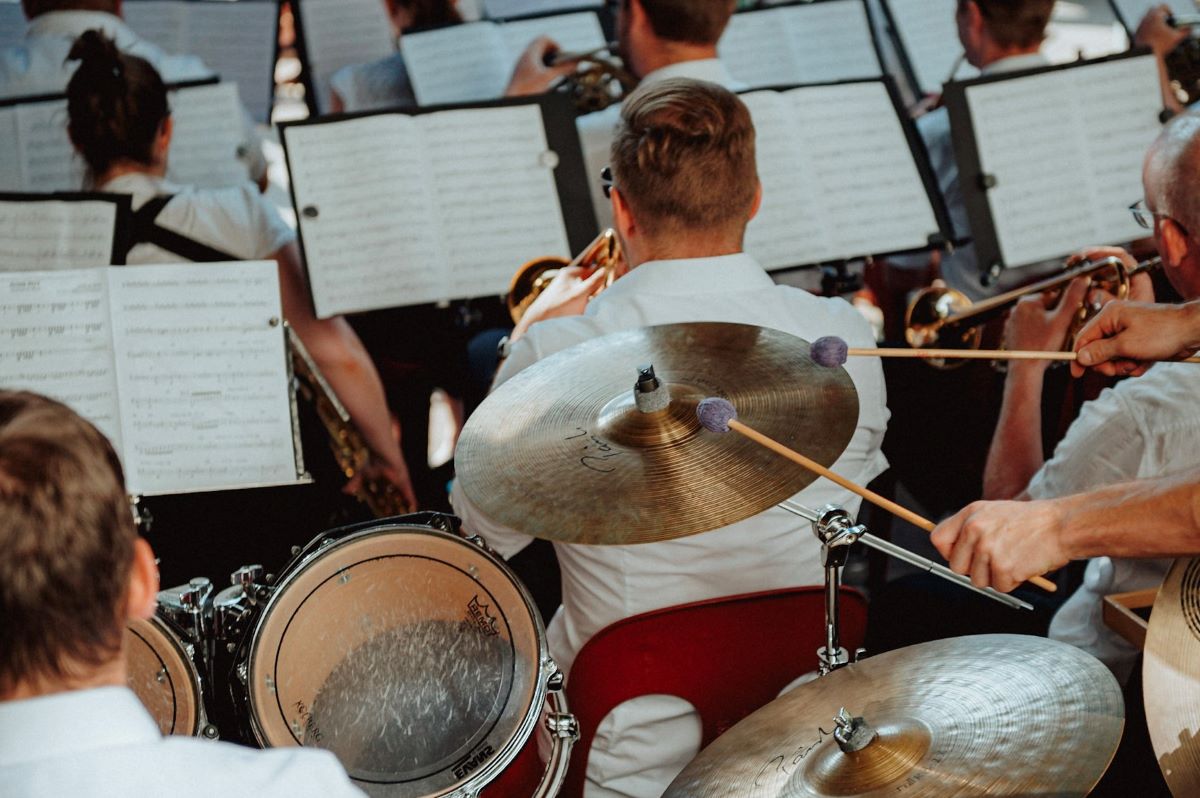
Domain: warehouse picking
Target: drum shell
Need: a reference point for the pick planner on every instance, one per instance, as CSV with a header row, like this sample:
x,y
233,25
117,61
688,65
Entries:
x,y
163,673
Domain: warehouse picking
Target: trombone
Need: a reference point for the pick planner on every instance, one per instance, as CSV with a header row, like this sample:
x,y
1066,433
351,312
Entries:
x,y
945,318
531,279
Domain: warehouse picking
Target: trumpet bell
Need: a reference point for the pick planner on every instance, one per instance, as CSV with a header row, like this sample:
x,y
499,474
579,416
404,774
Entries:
x,y
925,319
529,282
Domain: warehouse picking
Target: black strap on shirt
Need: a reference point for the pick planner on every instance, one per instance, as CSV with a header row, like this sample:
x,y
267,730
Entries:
x,y
145,229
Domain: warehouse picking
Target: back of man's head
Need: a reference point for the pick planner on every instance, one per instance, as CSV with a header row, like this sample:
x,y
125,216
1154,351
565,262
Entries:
x,y
66,544
1015,24
683,158
35,8
1173,167
691,21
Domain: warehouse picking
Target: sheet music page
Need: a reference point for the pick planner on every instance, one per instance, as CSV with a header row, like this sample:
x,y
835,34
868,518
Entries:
x,y
202,376
368,222
164,22
833,187
56,235
494,194
801,44
506,9
339,33
12,23
1131,12
1066,150
574,33
55,339
929,35
461,63
10,155
48,160
208,135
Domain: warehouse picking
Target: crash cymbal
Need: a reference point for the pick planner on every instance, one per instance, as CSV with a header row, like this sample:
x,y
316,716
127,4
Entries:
x,y
981,715
562,452
1171,677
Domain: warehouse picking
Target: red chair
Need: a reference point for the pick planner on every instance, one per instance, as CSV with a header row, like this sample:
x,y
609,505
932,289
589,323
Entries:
x,y
727,657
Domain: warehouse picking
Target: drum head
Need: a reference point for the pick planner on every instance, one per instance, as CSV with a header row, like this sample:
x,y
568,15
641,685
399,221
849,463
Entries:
x,y
162,676
410,654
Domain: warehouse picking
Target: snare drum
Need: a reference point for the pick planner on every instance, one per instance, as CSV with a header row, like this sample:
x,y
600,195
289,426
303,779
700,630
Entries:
x,y
412,654
164,677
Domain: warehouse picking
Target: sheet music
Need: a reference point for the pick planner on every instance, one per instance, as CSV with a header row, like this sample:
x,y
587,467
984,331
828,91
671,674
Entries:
x,y
10,155
202,376
833,187
369,227
929,36
208,136
398,210
48,161
812,43
339,33
1065,148
235,38
507,9
12,23
50,234
55,339
1131,12
468,63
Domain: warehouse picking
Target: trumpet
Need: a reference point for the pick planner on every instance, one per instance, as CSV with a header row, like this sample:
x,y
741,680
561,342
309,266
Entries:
x,y
600,82
945,318
531,279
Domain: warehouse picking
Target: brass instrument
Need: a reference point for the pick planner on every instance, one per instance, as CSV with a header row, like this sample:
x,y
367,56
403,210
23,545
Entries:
x,y
942,317
532,278
1183,63
345,441
600,81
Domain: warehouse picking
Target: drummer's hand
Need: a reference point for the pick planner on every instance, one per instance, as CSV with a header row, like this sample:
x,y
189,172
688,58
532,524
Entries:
x,y
1035,325
1155,32
1127,337
531,74
567,295
1002,544
389,473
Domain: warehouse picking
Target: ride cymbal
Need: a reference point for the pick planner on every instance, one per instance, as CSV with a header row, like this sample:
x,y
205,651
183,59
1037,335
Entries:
x,y
562,452
981,715
1171,677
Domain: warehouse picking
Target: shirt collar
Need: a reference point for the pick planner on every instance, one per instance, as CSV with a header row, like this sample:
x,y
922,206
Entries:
x,y
62,724
724,274
74,23
712,70
141,185
1015,63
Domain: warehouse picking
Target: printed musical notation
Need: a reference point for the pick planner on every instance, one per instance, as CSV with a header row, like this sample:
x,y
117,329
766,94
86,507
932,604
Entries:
x,y
929,36
397,210
340,33
179,365
467,63
1065,149
810,43
834,188
55,235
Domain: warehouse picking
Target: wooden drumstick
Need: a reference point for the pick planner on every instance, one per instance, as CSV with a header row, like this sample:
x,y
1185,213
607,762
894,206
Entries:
x,y
719,415
832,351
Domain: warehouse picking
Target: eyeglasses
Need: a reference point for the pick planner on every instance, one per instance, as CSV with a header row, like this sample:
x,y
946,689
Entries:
x,y
1142,215
606,181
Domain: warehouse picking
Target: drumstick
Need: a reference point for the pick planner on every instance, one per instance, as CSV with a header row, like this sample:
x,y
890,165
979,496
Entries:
x,y
719,415
832,351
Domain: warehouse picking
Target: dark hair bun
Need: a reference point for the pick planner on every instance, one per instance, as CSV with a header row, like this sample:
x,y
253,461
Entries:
x,y
98,56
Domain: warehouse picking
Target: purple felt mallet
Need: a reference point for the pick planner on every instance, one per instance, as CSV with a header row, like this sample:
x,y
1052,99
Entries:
x,y
715,413
829,351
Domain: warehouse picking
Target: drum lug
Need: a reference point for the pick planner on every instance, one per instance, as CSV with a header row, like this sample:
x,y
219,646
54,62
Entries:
x,y
241,671
554,682
477,540
209,732
562,725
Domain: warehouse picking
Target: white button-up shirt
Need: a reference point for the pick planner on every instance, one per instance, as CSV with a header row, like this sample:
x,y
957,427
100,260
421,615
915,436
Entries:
x,y
774,549
1145,427
102,742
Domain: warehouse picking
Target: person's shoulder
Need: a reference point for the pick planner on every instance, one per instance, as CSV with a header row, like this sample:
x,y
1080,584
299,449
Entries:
x,y
834,313
292,772
34,67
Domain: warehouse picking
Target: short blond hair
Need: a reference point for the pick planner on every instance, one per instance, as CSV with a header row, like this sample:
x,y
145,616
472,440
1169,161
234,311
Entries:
x,y
66,542
683,157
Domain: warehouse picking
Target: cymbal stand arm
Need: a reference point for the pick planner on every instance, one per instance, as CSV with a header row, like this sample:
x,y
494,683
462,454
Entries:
x,y
837,533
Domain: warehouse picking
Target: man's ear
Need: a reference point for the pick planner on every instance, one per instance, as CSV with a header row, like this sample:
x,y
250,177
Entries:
x,y
623,219
1174,242
142,596
757,206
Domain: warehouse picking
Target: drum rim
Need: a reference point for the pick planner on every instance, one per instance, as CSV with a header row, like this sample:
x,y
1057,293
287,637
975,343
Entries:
x,y
178,645
544,667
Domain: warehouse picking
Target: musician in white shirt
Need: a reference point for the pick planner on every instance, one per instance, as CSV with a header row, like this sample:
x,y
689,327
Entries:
x,y
72,571
657,40
39,64
684,245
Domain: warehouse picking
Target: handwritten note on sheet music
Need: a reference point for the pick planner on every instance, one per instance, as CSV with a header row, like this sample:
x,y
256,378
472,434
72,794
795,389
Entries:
x,y
800,44
201,376
56,235
236,39
467,63
397,210
833,187
929,36
339,33
12,23
1065,148
507,9
55,339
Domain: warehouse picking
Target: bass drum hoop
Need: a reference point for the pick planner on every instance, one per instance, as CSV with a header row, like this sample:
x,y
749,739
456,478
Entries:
x,y
176,665
543,668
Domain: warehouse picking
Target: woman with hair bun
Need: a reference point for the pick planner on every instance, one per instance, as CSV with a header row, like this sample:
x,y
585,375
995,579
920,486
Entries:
x,y
120,123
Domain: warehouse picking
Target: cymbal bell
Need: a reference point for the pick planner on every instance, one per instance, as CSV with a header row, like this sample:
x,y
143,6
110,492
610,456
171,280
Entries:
x,y
981,715
1171,677
563,452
